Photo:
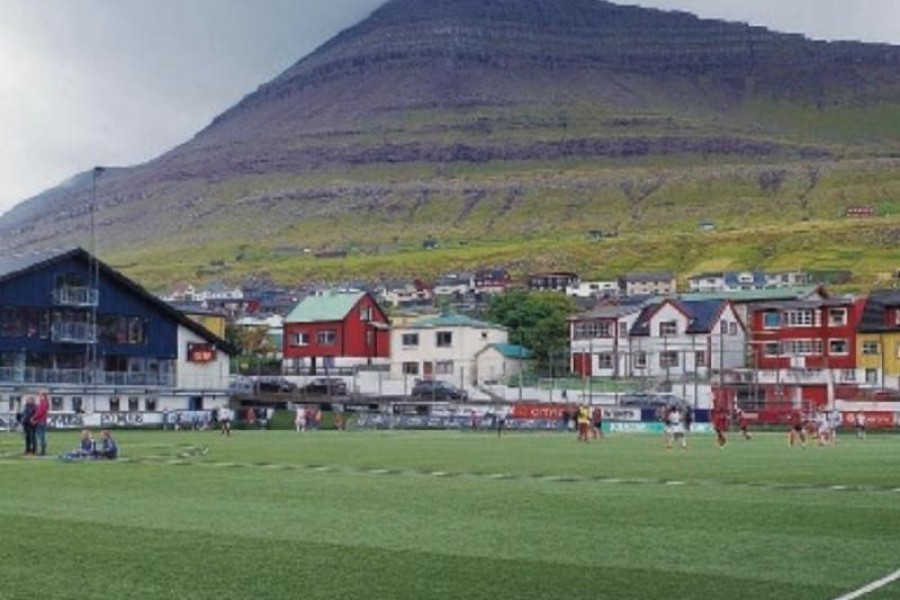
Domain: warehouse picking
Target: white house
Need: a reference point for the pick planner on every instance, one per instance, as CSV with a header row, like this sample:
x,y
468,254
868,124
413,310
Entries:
x,y
675,338
497,363
664,340
445,347
599,339
593,289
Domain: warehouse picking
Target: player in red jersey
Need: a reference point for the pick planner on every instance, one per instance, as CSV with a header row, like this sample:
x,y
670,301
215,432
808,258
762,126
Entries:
x,y
720,424
743,424
796,431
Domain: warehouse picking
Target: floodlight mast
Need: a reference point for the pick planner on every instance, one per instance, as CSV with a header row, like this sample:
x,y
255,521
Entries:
x,y
94,268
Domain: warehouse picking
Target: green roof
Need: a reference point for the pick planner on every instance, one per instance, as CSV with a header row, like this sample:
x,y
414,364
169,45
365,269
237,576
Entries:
x,y
513,351
451,320
786,293
330,306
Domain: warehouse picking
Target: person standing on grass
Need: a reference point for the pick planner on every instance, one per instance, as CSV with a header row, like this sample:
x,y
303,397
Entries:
x,y
743,424
720,424
41,414
835,423
823,428
225,421
300,419
675,429
28,426
796,432
597,423
583,422
500,421
860,423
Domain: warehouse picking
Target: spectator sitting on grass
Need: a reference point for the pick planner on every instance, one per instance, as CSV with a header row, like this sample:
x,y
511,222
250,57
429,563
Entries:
x,y
85,448
108,449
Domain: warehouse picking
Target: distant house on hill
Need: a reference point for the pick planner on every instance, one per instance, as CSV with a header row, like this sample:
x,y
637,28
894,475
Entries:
x,y
556,281
662,283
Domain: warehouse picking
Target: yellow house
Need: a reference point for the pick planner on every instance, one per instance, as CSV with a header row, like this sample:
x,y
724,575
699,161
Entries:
x,y
878,340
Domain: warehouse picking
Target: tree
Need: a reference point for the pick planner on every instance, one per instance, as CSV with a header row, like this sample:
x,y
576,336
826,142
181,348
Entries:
x,y
536,320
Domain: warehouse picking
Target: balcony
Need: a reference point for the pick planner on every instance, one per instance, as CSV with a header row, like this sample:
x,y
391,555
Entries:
x,y
85,377
76,296
74,333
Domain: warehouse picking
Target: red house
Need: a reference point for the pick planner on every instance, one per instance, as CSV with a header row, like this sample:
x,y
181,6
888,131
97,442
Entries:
x,y
801,350
336,328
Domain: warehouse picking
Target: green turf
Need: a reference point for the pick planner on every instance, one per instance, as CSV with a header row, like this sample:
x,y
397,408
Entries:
x,y
449,515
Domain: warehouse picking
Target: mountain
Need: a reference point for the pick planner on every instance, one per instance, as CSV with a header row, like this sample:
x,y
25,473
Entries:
x,y
493,125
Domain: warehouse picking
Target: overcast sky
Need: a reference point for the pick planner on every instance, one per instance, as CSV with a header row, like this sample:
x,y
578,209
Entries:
x,y
118,82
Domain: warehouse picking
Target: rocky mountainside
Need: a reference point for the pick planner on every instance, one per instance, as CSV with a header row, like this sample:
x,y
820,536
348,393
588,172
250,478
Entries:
x,y
444,117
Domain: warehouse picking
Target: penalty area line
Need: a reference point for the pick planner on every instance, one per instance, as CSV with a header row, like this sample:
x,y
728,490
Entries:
x,y
875,585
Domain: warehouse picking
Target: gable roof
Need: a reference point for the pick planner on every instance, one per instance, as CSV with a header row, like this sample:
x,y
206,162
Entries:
x,y
329,306
702,315
873,316
13,266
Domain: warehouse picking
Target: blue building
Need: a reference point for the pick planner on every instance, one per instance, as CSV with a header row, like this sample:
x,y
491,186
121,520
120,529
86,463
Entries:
x,y
97,342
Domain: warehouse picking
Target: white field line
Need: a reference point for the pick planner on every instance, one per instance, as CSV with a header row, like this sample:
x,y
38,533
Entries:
x,y
875,585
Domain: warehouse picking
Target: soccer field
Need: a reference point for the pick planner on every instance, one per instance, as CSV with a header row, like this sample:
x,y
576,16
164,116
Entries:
x,y
395,515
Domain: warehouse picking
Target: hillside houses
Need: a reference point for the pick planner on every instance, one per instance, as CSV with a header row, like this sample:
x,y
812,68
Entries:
x,y
720,343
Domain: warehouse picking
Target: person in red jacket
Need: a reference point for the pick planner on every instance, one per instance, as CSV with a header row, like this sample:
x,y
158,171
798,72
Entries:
x,y
39,420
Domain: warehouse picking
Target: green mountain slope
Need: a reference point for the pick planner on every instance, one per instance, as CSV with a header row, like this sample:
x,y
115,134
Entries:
x,y
515,132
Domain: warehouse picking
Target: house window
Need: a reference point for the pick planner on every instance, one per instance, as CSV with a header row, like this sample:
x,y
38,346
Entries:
x,y
410,339
668,328
732,328
443,367
668,359
410,368
837,316
872,376
871,348
77,404
802,347
592,329
114,404
699,359
798,318
837,347
150,404
56,402
848,375
326,338
640,360
133,403
772,349
443,339
604,360
365,313
300,339
771,320
623,329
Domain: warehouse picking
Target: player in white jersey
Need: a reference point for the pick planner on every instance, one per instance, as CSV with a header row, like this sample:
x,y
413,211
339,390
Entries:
x,y
675,428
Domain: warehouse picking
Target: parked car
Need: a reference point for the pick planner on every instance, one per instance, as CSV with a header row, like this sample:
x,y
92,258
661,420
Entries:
x,y
333,386
275,384
435,389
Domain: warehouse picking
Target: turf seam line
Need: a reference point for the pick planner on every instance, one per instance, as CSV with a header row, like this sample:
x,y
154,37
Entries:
x,y
871,587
